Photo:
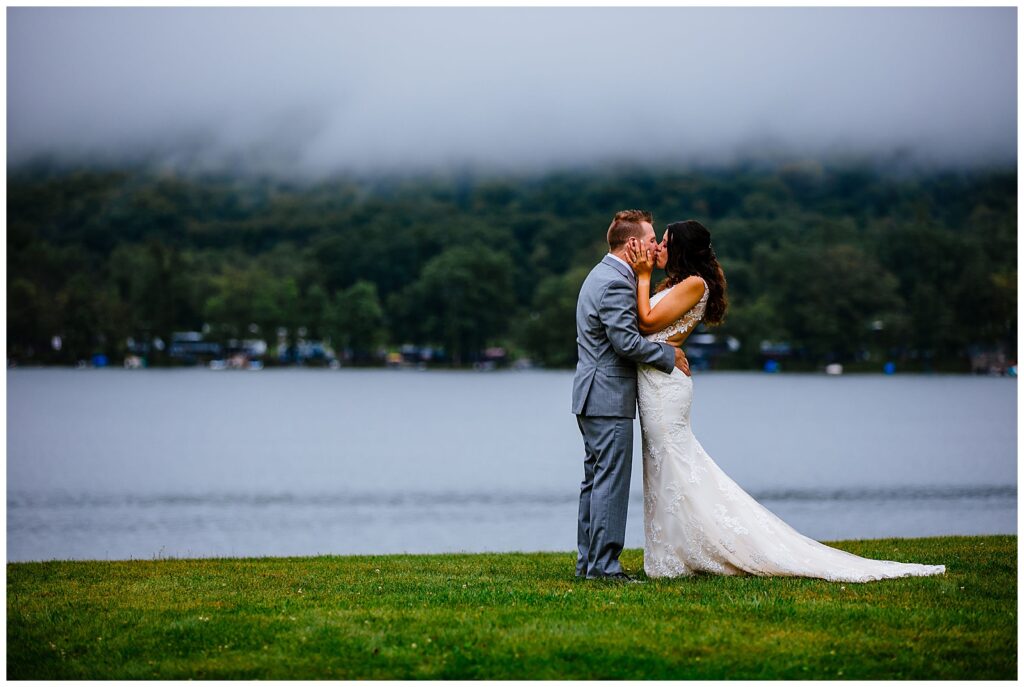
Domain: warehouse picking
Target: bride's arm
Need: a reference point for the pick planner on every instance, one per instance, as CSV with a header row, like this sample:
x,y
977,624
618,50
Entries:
x,y
672,306
643,303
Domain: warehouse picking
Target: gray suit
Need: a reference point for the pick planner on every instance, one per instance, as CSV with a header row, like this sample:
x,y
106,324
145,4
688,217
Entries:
x,y
604,400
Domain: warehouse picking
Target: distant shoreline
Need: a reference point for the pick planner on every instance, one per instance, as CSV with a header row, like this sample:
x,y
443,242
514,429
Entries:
x,y
468,368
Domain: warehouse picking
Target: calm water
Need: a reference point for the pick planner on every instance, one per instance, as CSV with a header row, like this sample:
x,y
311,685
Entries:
x,y
117,464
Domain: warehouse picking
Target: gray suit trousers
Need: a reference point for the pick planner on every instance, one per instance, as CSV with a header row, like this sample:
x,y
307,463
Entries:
x,y
604,494
609,346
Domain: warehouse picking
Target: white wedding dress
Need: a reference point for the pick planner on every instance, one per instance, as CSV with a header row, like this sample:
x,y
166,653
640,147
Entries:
x,y
696,519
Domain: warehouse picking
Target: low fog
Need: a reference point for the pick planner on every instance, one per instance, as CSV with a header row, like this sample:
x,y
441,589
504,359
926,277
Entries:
x,y
310,91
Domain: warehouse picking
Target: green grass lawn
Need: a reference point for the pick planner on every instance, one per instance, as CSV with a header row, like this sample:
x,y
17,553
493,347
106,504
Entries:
x,y
510,616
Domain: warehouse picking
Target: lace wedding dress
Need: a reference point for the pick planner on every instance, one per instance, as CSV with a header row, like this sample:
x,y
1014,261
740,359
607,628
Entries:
x,y
696,519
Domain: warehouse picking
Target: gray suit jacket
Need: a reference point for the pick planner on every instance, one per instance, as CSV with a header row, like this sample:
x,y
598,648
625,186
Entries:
x,y
609,344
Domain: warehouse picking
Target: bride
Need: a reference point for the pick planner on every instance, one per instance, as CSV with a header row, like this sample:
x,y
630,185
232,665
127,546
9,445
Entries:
x,y
696,519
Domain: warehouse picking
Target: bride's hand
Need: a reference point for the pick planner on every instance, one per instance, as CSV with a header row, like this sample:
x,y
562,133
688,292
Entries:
x,y
641,259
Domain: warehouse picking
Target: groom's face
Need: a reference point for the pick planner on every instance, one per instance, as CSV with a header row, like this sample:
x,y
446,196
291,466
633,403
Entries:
x,y
649,241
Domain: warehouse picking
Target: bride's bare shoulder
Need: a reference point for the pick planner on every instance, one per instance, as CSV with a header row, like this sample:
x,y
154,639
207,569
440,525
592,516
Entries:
x,y
694,283
686,289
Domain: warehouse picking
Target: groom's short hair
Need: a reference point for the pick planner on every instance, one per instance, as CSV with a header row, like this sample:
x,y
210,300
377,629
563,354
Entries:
x,y
626,225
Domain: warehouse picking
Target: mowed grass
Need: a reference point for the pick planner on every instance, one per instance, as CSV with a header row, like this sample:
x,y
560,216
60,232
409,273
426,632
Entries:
x,y
510,616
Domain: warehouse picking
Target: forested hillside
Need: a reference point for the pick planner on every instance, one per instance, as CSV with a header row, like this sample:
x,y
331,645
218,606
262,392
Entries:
x,y
842,263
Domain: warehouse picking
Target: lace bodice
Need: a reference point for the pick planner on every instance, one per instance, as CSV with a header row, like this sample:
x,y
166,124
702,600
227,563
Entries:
x,y
685,323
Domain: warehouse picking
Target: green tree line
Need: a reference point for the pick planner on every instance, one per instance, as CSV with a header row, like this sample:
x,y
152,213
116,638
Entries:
x,y
840,262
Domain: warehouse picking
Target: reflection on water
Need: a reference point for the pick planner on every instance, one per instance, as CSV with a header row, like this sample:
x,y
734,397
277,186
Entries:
x,y
114,464
81,525
403,500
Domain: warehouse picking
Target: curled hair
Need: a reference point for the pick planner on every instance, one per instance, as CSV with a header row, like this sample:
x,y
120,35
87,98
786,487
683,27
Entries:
x,y
690,253
626,225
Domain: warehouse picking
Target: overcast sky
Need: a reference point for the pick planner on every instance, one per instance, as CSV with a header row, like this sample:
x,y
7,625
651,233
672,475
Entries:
x,y
322,89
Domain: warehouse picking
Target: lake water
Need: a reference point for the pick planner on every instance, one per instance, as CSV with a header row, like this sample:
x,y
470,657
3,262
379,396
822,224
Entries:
x,y
119,464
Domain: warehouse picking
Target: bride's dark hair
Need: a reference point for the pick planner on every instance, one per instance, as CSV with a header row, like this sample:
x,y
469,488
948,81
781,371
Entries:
x,y
689,253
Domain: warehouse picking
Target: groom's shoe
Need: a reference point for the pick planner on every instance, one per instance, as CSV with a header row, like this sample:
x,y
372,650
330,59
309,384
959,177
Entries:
x,y
621,577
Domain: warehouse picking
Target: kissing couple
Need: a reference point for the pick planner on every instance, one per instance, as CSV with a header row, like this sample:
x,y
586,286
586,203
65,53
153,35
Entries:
x,y
696,519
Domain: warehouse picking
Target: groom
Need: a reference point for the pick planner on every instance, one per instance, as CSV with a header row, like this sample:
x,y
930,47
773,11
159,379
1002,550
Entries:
x,y
604,393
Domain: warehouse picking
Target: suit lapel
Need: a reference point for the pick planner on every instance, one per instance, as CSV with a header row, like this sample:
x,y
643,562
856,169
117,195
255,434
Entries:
x,y
622,269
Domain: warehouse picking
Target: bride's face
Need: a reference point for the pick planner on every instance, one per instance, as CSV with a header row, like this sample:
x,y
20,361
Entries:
x,y
662,259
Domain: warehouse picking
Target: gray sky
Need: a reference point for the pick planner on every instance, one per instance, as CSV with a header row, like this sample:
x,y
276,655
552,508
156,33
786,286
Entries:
x,y
322,89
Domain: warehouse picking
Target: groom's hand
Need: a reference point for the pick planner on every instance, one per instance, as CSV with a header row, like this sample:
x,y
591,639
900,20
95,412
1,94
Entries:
x,y
682,363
